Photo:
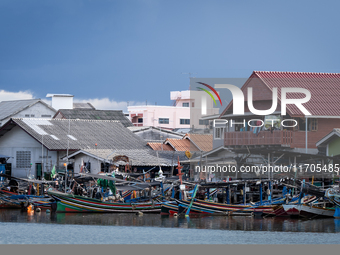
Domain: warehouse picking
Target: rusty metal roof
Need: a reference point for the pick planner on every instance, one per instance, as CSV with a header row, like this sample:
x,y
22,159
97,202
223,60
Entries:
x,y
160,147
181,144
203,141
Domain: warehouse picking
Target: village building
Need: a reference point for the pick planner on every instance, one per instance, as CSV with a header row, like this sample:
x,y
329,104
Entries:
x,y
93,114
34,146
154,134
308,130
185,113
330,144
132,161
188,142
30,108
276,139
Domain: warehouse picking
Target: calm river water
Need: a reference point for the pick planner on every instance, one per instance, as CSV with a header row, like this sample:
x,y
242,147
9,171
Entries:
x,y
41,228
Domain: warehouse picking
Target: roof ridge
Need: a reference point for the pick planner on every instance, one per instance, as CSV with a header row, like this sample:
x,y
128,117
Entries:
x,y
22,100
84,120
291,72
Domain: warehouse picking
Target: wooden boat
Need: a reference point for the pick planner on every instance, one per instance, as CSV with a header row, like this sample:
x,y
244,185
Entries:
x,y
207,207
333,196
15,201
73,203
308,211
279,211
7,203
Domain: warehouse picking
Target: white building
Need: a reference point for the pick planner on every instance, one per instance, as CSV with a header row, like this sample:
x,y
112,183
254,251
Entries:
x,y
185,113
36,145
30,108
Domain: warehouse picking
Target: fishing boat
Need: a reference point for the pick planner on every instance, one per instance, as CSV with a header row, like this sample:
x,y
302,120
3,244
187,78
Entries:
x,y
7,203
279,211
19,201
23,197
74,203
199,206
333,196
308,211
207,207
313,209
111,201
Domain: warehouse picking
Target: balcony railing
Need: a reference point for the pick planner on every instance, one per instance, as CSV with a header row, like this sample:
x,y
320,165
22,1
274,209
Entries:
x,y
276,137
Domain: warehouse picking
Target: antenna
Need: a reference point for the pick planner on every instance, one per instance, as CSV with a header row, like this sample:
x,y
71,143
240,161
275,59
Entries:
x,y
190,76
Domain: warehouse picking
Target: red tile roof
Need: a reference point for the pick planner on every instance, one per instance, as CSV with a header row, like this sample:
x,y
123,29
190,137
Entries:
x,y
160,147
324,89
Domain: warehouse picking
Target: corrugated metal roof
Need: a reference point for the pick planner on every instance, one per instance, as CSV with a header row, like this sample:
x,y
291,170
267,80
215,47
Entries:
x,y
324,89
328,138
9,108
137,157
87,133
160,147
181,144
203,141
83,106
152,134
92,114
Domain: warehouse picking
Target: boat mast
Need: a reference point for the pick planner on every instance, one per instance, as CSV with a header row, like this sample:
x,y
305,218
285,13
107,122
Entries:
x,y
68,145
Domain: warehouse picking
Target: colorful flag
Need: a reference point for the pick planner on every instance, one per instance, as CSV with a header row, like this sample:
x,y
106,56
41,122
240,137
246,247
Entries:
x,y
53,172
81,166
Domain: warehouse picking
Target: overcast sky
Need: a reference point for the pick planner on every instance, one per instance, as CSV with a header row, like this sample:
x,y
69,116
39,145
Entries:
x,y
114,51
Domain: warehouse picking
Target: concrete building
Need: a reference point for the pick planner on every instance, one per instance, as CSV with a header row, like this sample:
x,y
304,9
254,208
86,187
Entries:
x,y
36,145
65,101
185,112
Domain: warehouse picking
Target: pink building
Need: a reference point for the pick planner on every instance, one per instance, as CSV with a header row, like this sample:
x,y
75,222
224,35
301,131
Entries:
x,y
180,115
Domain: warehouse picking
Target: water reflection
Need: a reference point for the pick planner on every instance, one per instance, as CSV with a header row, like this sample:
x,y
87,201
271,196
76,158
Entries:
x,y
328,225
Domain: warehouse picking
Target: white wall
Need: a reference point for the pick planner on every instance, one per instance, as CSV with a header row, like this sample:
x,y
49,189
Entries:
x,y
18,140
95,164
59,102
152,113
36,111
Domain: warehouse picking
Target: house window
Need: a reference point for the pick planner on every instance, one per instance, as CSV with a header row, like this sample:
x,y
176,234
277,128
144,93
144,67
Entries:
x,y
23,159
313,124
27,115
140,120
163,120
203,122
32,115
46,116
184,121
218,134
185,104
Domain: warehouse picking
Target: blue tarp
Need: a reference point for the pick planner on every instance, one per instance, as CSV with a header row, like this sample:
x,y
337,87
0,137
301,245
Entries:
x,y
2,171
